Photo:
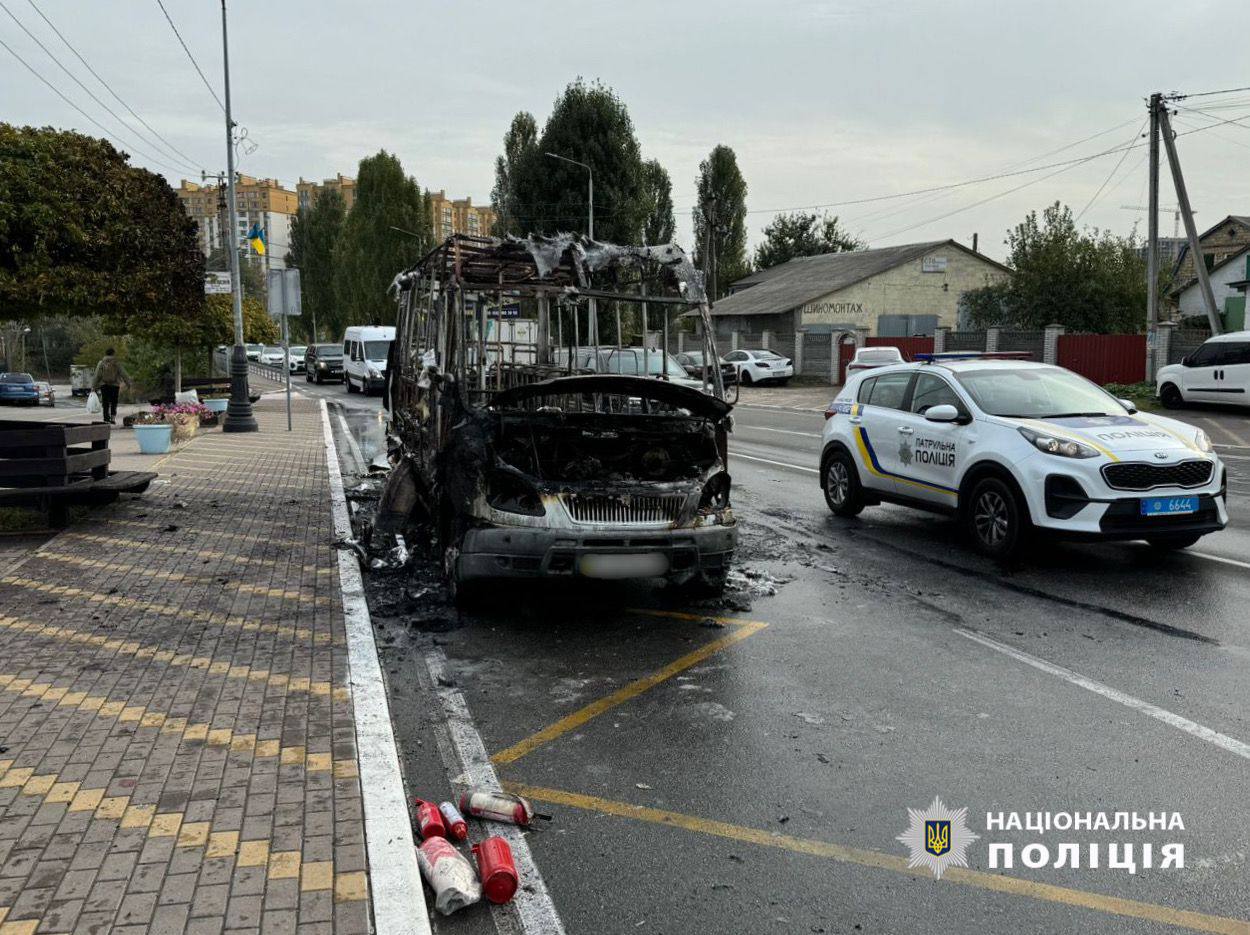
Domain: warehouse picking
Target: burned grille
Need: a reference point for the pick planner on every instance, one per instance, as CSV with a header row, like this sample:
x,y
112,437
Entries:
x,y
623,510
1137,475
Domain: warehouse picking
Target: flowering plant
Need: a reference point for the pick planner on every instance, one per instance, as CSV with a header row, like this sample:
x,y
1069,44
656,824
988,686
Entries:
x,y
146,418
181,409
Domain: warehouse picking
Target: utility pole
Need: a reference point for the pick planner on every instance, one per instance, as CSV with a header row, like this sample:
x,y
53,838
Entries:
x,y
1152,242
239,417
1187,215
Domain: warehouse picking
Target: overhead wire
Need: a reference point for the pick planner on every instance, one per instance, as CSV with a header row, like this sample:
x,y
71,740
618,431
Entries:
x,y
1093,198
170,147
59,64
198,70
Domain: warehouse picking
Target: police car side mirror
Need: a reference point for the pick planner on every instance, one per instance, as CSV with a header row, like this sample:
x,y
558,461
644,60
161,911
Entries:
x,y
1129,405
942,413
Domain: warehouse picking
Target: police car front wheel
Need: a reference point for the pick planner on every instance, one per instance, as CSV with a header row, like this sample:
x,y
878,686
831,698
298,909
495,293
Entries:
x,y
843,492
996,519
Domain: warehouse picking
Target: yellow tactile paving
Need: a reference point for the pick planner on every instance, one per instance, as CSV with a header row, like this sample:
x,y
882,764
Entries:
x,y
222,844
349,887
317,875
165,825
194,834
284,865
131,546
253,854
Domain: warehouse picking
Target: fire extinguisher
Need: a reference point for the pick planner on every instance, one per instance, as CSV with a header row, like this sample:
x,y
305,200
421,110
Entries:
x,y
429,820
498,806
453,821
496,869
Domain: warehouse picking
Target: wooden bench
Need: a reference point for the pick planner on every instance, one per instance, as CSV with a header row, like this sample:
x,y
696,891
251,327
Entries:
x,y
55,465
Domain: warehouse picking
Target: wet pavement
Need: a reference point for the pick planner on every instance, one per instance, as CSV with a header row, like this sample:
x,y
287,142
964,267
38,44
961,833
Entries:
x,y
745,765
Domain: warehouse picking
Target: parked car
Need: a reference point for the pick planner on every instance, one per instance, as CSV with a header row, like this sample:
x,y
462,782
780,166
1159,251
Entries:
x,y
365,349
18,388
630,361
297,358
692,363
323,362
273,355
1015,449
1218,372
866,358
46,393
760,366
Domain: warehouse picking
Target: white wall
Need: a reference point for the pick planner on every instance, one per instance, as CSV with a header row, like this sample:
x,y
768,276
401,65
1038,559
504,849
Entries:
x,y
1233,271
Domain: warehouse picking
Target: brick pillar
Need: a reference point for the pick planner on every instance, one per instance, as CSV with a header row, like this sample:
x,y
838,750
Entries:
x,y
939,339
835,355
861,337
798,352
681,342
1162,349
1050,344
766,339
991,339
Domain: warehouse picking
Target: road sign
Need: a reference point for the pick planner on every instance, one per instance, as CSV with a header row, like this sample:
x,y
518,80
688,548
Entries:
x,y
216,283
284,293
511,310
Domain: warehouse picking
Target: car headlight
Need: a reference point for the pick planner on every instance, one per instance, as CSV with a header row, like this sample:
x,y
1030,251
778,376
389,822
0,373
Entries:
x,y
321,365
715,494
1202,441
1063,447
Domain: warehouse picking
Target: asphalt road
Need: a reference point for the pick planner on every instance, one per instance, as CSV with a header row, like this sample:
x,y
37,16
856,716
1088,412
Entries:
x,y
747,767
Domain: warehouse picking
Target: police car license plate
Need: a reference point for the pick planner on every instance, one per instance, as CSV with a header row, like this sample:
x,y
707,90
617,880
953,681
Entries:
x,y
1168,506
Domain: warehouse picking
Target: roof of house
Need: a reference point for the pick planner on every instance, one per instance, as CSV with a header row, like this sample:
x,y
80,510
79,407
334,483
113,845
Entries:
x,y
797,282
1193,280
1242,219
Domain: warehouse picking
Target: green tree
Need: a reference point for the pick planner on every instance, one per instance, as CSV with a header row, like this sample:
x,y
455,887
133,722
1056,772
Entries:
x,y
590,124
520,145
314,234
658,226
721,204
1083,279
387,229
82,232
802,234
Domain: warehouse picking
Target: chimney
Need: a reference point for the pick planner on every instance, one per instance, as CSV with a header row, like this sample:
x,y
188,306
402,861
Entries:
x,y
974,243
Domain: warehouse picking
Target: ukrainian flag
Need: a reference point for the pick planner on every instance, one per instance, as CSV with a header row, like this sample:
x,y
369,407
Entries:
x,y
256,237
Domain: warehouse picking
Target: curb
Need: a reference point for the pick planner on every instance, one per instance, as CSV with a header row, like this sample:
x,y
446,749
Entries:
x,y
394,879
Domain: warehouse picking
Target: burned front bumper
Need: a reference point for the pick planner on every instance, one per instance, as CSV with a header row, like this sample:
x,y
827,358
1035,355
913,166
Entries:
x,y
526,552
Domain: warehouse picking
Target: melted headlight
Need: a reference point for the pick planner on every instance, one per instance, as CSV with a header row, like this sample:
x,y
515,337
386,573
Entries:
x,y
509,493
715,493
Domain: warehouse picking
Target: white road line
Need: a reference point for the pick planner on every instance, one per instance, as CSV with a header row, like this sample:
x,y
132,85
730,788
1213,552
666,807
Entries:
x,y
793,467
1218,558
1231,744
357,454
531,910
762,428
394,878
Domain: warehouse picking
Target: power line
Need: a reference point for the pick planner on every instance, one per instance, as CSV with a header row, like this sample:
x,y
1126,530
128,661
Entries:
x,y
190,56
1181,97
168,145
74,78
59,93
1110,174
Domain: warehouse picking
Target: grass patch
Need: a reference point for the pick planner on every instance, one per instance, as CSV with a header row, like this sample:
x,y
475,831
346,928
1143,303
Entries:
x,y
15,519
1141,394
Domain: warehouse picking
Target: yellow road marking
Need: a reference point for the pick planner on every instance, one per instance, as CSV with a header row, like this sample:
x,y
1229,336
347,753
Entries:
x,y
1013,886
696,618
621,695
144,651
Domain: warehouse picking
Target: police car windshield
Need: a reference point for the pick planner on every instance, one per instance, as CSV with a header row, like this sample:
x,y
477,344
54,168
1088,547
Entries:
x,y
1036,393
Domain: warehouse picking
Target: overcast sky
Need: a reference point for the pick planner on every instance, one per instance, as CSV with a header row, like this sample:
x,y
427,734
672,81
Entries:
x,y
823,100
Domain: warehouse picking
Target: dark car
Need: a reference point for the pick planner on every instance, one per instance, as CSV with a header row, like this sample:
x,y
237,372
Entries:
x,y
18,388
692,363
323,362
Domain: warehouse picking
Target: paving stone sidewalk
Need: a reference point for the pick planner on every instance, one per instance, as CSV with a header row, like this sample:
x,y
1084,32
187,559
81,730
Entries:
x,y
177,748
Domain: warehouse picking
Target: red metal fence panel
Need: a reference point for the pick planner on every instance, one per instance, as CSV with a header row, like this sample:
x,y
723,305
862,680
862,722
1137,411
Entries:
x,y
1105,358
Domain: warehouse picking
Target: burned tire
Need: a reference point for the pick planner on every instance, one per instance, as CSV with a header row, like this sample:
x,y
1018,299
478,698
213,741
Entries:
x,y
704,584
996,518
1173,543
1171,397
843,492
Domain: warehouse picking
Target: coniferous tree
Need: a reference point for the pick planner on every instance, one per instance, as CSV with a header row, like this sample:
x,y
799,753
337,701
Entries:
x,y
721,204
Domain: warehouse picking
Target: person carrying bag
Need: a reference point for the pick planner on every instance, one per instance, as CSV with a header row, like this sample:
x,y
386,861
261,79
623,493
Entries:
x,y
109,375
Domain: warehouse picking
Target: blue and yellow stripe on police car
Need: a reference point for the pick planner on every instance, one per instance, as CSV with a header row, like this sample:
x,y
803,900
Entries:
x,y
869,458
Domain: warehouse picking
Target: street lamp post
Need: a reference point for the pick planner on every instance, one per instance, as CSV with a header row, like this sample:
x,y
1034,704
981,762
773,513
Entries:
x,y
593,336
239,417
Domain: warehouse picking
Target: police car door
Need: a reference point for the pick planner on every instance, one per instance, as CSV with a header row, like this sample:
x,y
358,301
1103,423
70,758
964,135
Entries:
x,y
876,430
931,454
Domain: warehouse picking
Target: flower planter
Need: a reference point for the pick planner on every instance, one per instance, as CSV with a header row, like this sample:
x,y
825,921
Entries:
x,y
184,426
154,439
217,405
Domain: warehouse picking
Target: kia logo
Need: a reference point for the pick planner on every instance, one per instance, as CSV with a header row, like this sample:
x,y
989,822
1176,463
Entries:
x,y
1161,455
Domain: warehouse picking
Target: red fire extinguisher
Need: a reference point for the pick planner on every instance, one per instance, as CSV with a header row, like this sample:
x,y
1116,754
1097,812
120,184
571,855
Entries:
x,y
498,806
429,820
496,869
454,821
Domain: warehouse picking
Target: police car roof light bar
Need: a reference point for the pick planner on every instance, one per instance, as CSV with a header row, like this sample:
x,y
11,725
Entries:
x,y
972,355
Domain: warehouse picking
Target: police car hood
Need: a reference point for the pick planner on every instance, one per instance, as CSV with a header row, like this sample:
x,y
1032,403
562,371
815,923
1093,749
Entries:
x,y
1120,433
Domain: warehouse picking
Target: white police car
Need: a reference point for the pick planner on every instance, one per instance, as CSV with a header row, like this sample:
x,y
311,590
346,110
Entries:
x,y
1013,447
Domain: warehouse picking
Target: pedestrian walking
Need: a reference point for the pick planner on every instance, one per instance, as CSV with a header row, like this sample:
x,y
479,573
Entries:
x,y
109,376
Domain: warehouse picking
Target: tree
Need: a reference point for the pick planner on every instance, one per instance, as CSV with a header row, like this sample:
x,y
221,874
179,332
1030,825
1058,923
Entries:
x,y
82,232
658,226
251,270
388,228
1085,280
721,203
802,234
590,124
520,144
314,234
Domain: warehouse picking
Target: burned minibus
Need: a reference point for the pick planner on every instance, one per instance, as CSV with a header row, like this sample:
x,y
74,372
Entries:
x,y
524,458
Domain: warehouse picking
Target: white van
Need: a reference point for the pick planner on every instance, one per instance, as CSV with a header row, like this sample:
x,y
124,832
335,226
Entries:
x,y
365,348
